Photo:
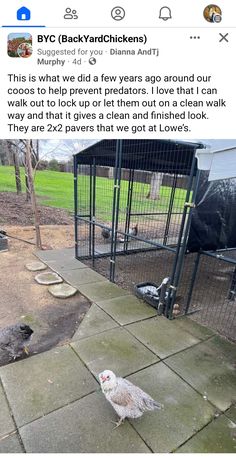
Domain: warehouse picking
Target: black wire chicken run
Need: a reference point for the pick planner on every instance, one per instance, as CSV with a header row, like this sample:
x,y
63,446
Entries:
x,y
106,234
14,340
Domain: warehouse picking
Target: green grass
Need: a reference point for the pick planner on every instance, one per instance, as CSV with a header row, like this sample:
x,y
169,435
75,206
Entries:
x,y
56,189
53,188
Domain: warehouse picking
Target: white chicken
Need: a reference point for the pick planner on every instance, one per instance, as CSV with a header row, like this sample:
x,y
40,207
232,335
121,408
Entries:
x,y
127,399
133,231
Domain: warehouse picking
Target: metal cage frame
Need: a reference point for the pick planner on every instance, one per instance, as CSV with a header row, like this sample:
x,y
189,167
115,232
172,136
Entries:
x,y
123,157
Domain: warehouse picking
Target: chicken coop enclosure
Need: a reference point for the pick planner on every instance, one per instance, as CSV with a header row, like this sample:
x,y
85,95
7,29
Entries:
x,y
137,217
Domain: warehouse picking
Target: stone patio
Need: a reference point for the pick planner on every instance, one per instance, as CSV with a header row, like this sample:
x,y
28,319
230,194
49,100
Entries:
x,y
52,402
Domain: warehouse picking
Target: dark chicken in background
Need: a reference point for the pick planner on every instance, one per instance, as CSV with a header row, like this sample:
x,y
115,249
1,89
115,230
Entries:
x,y
14,340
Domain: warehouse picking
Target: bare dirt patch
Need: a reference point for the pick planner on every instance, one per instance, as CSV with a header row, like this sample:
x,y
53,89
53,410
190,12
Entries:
x,y
23,300
16,211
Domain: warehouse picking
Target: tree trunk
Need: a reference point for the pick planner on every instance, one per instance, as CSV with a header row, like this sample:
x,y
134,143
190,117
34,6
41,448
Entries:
x,y
27,187
34,153
4,153
17,172
28,158
111,173
155,185
13,152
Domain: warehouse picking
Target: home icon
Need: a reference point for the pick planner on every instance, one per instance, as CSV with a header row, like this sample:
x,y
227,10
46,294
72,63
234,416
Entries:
x,y
23,14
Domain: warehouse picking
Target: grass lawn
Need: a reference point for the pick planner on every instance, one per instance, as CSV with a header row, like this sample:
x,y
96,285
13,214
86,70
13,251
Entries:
x,y
56,189
53,188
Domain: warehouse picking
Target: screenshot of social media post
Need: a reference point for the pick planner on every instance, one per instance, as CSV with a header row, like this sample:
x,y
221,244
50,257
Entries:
x,y
117,227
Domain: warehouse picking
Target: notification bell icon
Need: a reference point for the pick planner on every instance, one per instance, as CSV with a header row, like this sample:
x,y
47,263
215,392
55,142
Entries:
x,y
165,13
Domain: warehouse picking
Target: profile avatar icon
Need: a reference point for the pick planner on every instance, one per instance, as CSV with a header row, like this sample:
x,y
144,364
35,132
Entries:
x,y
165,13
118,13
212,13
70,14
24,50
19,45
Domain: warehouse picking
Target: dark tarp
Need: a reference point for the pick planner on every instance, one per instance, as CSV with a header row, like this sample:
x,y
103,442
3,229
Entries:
x,y
213,224
173,157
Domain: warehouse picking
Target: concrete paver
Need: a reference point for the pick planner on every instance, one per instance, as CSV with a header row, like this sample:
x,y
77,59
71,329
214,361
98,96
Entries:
x,y
95,321
63,265
59,407
11,444
127,309
184,413
66,254
84,426
116,350
162,336
79,277
199,331
101,291
42,383
6,421
210,368
231,413
218,437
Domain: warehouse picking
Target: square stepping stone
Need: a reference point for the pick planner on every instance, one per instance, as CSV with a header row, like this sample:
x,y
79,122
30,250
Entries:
x,y
127,309
199,331
210,368
94,322
162,336
101,291
45,382
116,350
11,445
6,421
185,411
82,427
218,437
79,277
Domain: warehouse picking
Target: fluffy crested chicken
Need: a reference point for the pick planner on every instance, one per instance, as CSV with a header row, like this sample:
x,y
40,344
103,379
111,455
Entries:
x,y
127,399
133,231
14,339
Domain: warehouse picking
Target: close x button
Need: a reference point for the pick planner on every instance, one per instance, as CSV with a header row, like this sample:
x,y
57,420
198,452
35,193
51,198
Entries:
x,y
223,38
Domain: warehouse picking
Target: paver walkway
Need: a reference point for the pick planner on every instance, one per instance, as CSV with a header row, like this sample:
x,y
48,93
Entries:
x,y
52,402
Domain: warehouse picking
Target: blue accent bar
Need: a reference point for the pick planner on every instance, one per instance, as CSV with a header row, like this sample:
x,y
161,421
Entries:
x,y
22,26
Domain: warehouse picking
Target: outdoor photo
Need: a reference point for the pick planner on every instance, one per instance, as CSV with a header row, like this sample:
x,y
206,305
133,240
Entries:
x,y
19,45
118,296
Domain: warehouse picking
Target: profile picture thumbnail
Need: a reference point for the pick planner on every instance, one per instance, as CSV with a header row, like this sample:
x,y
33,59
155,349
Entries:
x,y
212,13
19,45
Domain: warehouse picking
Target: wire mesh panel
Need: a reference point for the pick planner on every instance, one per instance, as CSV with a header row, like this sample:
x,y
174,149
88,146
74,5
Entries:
x,y
132,200
211,298
83,211
94,208
153,197
143,267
